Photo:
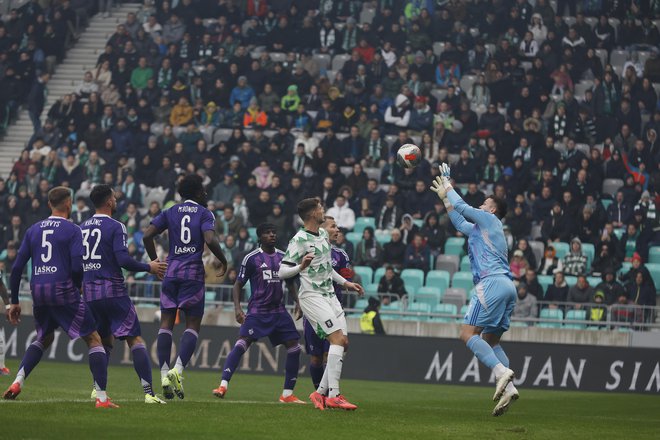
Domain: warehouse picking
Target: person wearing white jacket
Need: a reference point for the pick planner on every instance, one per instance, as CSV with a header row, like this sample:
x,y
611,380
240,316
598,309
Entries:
x,y
342,213
397,116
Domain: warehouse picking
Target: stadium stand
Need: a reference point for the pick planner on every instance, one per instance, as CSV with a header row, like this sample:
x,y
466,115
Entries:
x,y
312,98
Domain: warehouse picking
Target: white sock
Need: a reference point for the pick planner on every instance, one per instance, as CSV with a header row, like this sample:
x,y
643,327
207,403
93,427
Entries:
x,y
101,395
20,377
179,365
287,393
163,370
224,383
499,370
2,349
323,386
335,363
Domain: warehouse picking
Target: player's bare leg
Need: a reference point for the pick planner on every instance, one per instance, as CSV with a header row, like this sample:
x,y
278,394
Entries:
x,y
510,394
30,360
472,337
164,348
291,369
98,365
330,381
231,364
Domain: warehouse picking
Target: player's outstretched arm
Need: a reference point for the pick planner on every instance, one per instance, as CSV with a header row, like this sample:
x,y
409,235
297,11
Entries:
x,y
212,242
440,186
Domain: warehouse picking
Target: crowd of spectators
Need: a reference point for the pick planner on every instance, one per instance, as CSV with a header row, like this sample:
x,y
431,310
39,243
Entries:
x,y
271,101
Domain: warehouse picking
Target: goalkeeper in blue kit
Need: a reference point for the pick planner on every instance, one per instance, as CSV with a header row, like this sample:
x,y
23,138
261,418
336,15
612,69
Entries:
x,y
489,313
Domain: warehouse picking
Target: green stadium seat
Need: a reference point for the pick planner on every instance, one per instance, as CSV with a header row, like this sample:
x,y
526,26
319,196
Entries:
x,y
589,250
619,232
380,272
383,238
654,268
354,237
388,309
464,309
551,314
594,281
576,315
209,296
454,246
413,279
447,309
518,324
371,289
625,267
561,249
361,223
462,280
465,264
366,273
252,232
570,280
606,203
418,222
545,281
654,254
360,305
427,295
420,308
438,278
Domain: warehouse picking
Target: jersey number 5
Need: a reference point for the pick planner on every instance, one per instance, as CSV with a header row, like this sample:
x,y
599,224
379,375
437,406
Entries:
x,y
47,245
87,234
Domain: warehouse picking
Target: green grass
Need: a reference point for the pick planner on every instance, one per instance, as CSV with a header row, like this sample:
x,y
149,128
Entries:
x,y
54,405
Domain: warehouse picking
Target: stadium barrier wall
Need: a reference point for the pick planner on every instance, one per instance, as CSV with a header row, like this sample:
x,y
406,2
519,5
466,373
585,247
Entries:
x,y
398,358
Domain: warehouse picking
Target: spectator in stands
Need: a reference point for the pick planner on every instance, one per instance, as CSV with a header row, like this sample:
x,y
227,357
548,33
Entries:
x,y
534,288
370,322
369,252
550,263
598,312
418,255
342,213
605,261
610,288
581,292
526,305
519,265
391,283
575,262
557,292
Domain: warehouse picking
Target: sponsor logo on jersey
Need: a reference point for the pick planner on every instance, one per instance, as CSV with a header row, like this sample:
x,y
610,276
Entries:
x,y
91,266
45,270
179,250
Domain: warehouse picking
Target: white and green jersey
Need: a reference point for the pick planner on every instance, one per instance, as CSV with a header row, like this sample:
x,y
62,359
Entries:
x,y
317,278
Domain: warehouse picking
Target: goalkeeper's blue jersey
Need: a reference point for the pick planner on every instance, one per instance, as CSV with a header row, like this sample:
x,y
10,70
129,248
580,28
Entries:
x,y
487,248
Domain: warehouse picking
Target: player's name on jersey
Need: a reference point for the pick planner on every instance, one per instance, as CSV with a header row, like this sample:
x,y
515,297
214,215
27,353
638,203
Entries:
x,y
94,222
48,223
180,250
45,270
187,208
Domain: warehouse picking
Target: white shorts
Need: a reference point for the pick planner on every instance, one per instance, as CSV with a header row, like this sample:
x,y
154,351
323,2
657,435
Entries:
x,y
324,314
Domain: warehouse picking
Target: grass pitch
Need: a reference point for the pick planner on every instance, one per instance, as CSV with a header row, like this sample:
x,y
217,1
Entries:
x,y
55,404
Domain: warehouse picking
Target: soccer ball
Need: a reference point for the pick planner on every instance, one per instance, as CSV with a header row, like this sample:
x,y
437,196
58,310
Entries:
x,y
409,155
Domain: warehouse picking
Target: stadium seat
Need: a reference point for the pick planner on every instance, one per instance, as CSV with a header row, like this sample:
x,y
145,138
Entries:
x,y
209,296
423,308
619,57
379,274
561,249
576,315
654,268
454,246
354,237
252,232
448,263
413,279
339,60
545,281
570,280
606,203
462,280
363,222
371,289
464,309
654,254
551,314
360,305
594,281
439,279
438,48
538,248
323,60
465,264
428,295
589,250
383,238
625,267
366,273
611,186
455,296
388,311
447,309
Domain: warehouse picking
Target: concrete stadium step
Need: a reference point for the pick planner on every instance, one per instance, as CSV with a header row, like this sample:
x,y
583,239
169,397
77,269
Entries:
x,y
80,58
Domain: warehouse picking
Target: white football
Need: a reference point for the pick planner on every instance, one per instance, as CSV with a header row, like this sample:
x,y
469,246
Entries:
x,y
409,155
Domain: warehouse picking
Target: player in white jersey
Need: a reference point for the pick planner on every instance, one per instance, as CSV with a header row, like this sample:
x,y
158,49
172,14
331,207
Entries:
x,y
4,371
309,256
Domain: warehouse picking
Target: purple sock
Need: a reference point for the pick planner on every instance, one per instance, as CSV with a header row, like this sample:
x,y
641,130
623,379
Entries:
x,y
31,358
142,367
292,366
164,347
316,372
233,359
187,347
108,352
98,365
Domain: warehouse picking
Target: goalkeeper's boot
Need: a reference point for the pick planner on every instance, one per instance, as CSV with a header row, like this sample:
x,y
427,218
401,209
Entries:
x,y
505,402
177,382
220,392
148,398
339,402
168,392
502,382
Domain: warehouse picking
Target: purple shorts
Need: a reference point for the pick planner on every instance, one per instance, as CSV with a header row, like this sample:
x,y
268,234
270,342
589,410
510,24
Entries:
x,y
314,346
115,317
187,295
279,327
76,320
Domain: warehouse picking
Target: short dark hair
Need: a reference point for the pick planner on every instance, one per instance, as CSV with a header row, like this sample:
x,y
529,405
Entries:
x,y
306,206
264,228
501,206
58,195
100,195
191,187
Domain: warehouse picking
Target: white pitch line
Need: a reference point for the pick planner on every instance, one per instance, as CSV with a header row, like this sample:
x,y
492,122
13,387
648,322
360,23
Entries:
x,y
224,402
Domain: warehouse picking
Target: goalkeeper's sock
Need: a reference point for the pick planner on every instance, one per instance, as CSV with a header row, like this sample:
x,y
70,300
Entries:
x,y
485,354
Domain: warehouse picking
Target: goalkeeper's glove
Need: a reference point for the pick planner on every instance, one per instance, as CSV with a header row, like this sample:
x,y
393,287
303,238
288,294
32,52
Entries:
x,y
438,188
445,177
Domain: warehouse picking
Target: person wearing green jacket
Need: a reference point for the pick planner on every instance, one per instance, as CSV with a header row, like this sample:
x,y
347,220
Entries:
x,y
291,100
141,74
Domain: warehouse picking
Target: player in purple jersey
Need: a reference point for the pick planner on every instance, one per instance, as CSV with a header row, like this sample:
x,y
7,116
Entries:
x,y
266,315
190,225
317,348
105,254
55,247
4,371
